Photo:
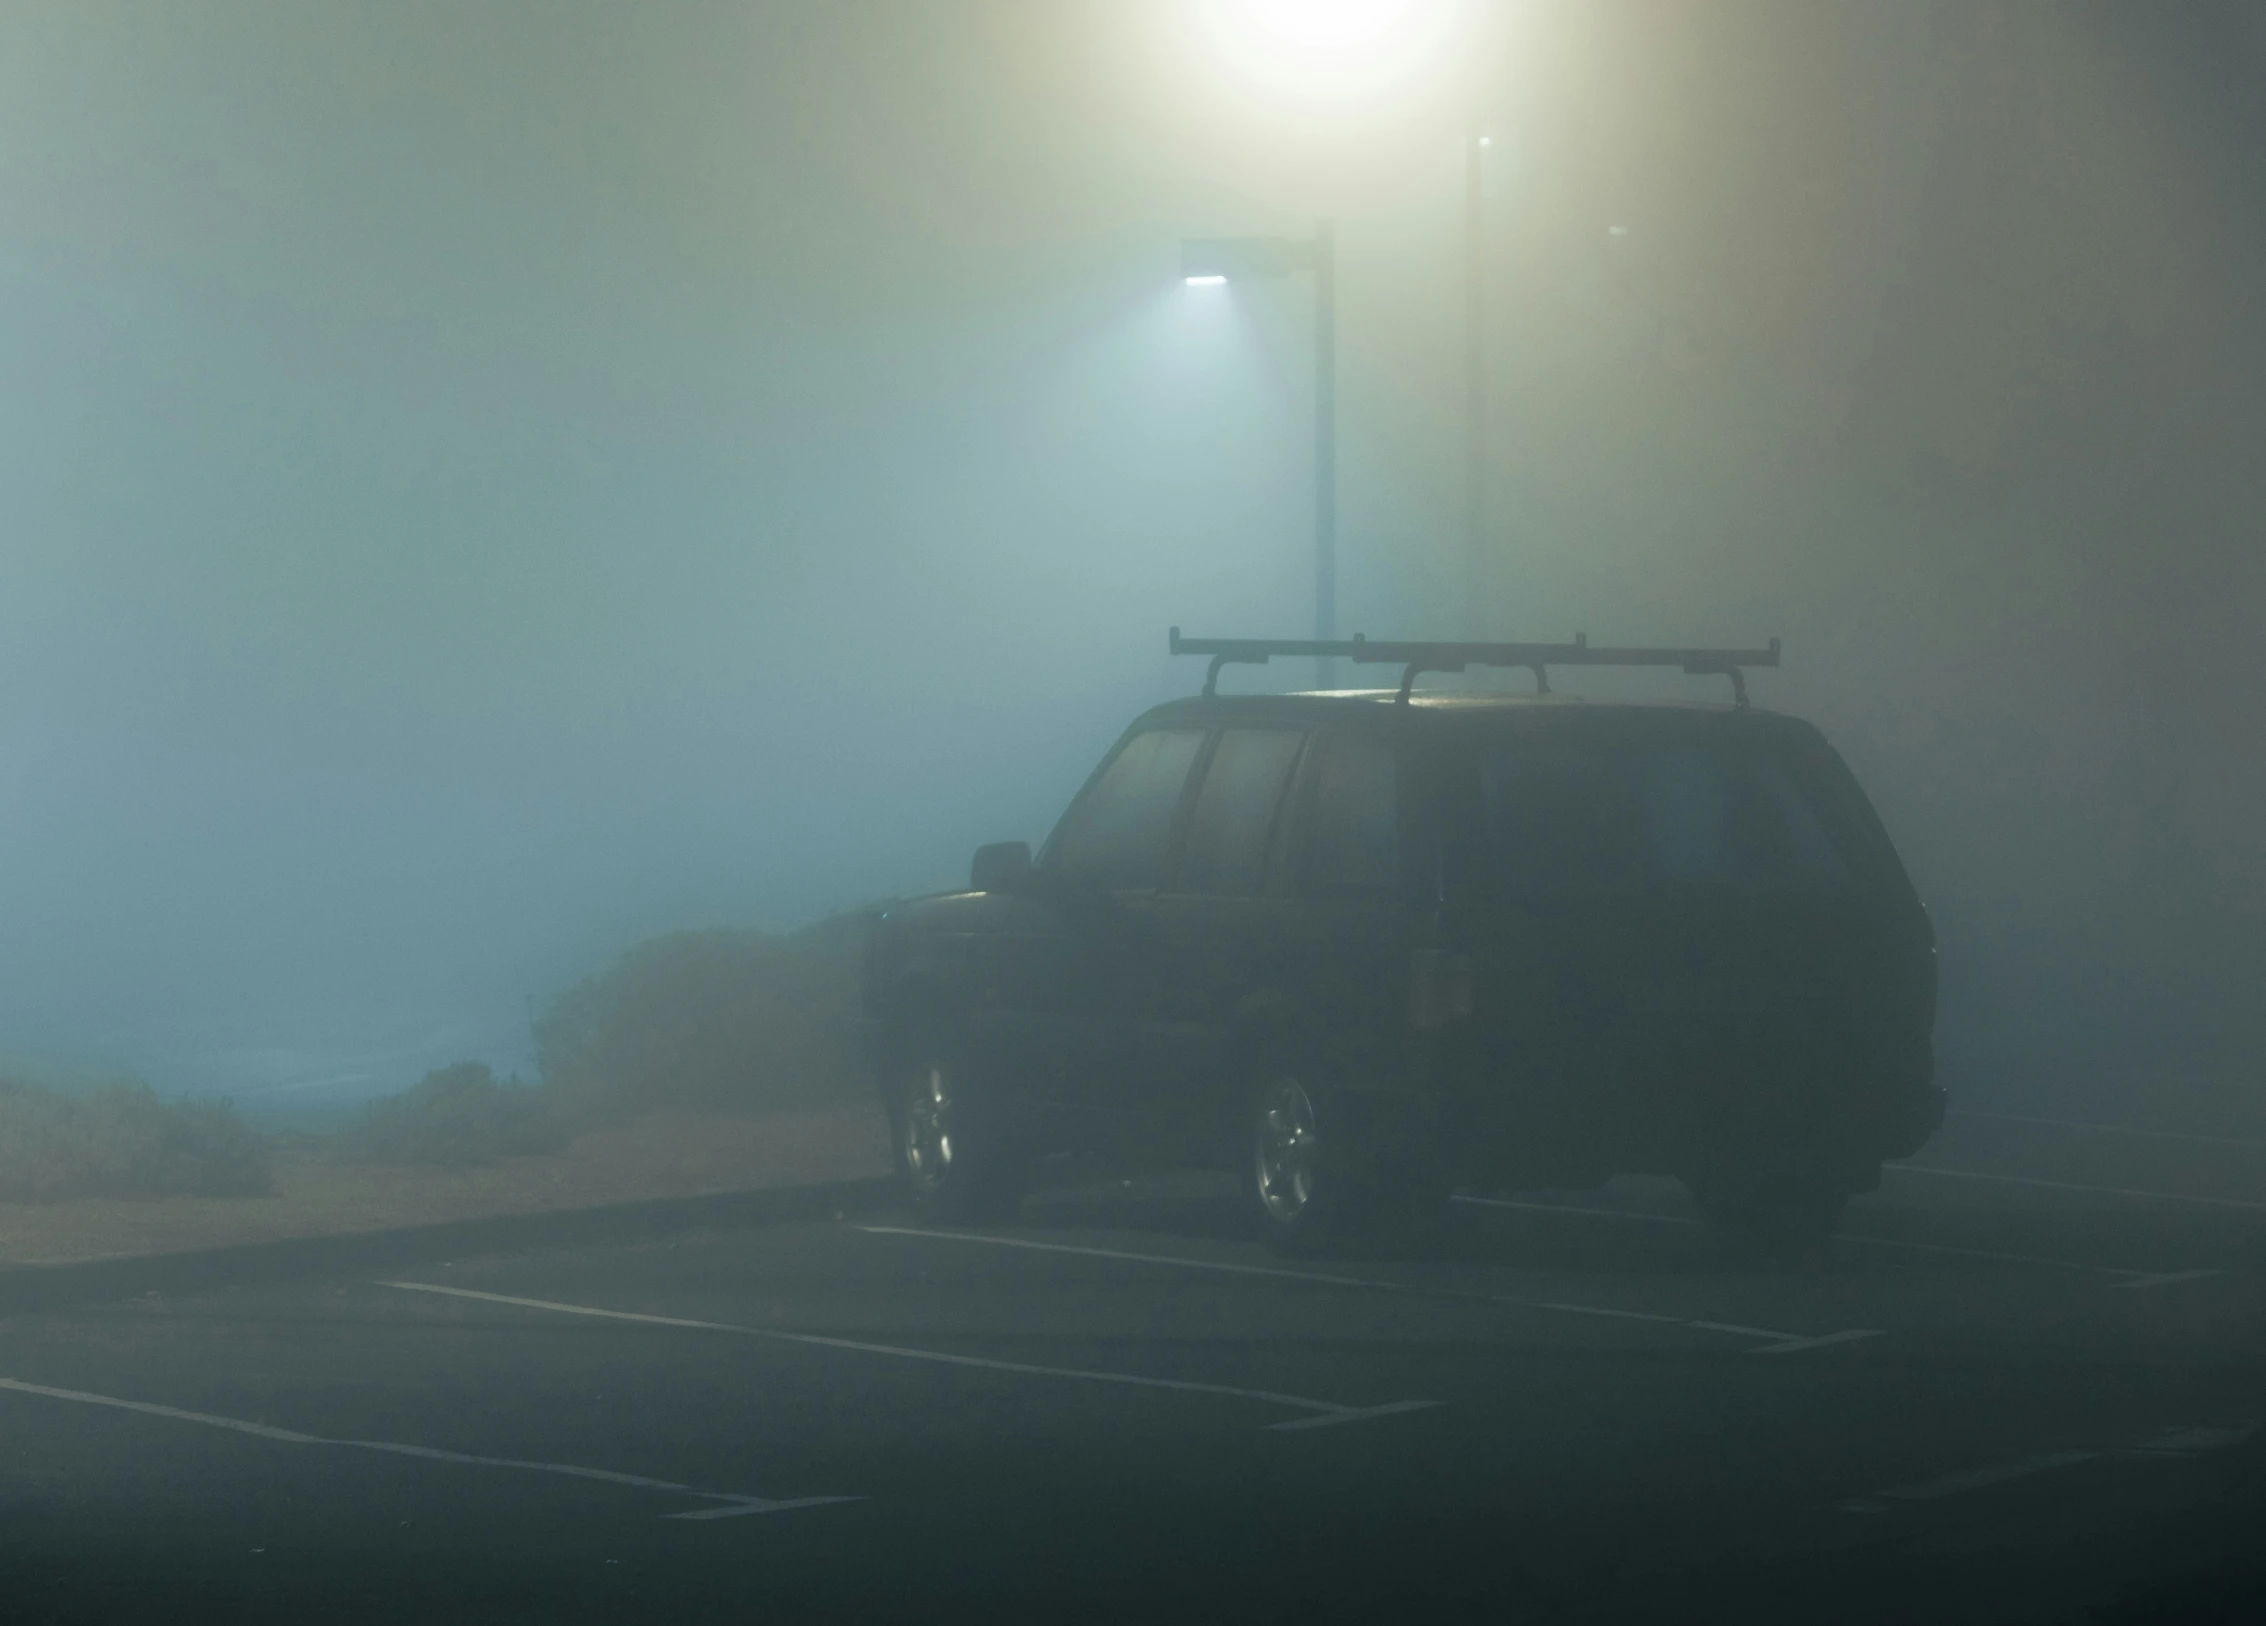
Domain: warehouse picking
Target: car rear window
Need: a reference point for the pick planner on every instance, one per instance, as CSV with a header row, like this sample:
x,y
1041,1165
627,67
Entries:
x,y
1567,815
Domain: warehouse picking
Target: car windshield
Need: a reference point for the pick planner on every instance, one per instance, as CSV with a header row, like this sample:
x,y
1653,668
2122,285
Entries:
x,y
1567,815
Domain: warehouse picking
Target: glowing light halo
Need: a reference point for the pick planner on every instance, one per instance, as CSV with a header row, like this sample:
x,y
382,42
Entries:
x,y
1329,50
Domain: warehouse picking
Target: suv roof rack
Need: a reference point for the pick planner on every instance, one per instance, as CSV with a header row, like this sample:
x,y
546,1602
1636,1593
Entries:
x,y
1415,658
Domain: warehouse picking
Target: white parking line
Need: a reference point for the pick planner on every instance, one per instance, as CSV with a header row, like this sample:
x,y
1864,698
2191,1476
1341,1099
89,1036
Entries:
x,y
1353,1414
1992,1254
1229,1267
1569,1208
1794,1346
1972,1479
1779,1342
2171,1443
2133,1278
738,1504
2166,1278
2064,1185
2113,1129
2195,1442
1327,1411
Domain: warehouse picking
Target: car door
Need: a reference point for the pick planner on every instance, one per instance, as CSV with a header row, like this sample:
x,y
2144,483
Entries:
x,y
1219,929
1347,924
1086,961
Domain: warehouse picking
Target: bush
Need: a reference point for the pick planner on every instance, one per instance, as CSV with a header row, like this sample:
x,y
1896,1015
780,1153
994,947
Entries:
x,y
710,1018
699,1019
456,1116
119,1140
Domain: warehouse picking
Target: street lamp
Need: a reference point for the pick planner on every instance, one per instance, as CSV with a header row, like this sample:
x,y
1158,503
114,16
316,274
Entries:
x,y
1212,261
1475,583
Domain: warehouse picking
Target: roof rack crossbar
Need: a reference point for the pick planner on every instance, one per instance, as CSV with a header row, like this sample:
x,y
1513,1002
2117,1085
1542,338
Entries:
x,y
1416,658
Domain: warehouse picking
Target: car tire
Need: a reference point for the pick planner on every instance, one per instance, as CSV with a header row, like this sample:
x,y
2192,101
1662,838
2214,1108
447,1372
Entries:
x,y
1286,1164
952,1142
1314,1190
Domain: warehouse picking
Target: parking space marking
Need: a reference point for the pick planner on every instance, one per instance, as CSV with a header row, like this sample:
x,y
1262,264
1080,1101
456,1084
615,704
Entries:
x,y
1794,1346
1780,1342
1970,1480
2173,1444
1227,1266
1327,1411
738,1503
1569,1208
1352,1414
2113,1129
2132,1278
2065,1185
1992,1254
2195,1442
2166,1278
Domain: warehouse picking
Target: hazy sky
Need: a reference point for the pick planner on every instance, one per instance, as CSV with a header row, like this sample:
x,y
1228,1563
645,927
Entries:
x,y
482,484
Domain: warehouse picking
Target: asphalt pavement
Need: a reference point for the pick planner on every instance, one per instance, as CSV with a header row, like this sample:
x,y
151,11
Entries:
x,y
2024,1385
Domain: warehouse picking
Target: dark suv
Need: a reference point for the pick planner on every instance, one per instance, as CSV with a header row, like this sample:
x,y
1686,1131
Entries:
x,y
1365,947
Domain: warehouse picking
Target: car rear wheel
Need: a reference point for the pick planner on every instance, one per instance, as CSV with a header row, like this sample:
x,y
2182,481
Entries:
x,y
1315,1188
954,1149
1287,1170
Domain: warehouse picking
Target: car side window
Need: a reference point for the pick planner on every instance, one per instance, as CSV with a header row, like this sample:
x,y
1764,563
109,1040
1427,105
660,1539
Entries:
x,y
1353,831
1116,834
1234,820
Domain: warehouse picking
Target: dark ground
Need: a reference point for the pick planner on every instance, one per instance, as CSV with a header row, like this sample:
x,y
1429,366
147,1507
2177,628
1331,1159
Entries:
x,y
2054,1436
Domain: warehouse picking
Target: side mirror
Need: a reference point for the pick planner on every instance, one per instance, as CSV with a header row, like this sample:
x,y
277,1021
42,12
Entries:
x,y
1004,866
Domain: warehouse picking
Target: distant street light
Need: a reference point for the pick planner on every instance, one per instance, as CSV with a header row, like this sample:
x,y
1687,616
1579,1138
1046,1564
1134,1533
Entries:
x,y
1213,261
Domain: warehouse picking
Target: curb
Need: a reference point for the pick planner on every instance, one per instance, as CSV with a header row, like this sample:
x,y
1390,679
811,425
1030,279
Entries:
x,y
30,1288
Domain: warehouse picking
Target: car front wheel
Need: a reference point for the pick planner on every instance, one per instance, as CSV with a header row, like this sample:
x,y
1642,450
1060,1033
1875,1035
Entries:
x,y
953,1148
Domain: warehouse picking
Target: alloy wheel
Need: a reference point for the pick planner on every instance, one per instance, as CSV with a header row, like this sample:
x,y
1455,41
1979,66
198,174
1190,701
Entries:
x,y
1284,1148
928,1128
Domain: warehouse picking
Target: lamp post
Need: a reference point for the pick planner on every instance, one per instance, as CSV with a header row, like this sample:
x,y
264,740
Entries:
x,y
1475,389
1206,261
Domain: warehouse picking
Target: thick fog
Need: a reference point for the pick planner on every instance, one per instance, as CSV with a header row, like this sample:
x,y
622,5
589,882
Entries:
x,y
483,485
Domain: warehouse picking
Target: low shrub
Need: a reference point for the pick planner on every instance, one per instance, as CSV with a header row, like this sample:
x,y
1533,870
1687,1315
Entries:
x,y
710,1018
119,1140
695,1019
456,1116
